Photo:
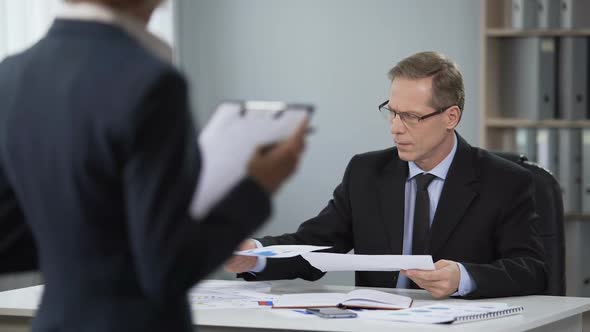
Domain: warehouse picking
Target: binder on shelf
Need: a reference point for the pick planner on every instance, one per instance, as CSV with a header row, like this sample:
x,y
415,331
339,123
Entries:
x,y
575,14
526,142
547,150
528,78
523,14
570,168
507,141
548,14
586,171
573,78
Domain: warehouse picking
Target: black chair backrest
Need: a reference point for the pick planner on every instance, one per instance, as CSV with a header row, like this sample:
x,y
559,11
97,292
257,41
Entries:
x,y
549,205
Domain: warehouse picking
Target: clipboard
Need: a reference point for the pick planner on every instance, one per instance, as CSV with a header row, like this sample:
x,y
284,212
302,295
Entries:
x,y
228,141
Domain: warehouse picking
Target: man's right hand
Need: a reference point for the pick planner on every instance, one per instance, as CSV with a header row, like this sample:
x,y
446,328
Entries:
x,y
238,263
270,167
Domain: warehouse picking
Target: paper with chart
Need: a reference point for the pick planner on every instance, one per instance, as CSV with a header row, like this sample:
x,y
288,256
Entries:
x,y
280,251
349,262
445,312
221,294
229,140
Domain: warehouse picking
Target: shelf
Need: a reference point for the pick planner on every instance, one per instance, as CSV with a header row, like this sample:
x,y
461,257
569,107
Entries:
x,y
577,217
518,123
507,33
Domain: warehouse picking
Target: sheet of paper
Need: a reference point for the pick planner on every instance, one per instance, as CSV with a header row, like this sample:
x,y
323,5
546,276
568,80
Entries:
x,y
280,251
233,285
207,304
227,143
221,294
348,262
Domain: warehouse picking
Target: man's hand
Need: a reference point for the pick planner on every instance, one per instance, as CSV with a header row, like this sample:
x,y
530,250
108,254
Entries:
x,y
441,282
271,166
238,263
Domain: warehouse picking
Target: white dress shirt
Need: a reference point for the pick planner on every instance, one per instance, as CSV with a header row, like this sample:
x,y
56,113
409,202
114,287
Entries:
x,y
466,284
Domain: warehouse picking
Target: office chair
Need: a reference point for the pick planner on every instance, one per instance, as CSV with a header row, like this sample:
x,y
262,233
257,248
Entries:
x,y
549,205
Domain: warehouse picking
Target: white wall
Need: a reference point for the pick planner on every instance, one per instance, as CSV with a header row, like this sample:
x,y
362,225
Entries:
x,y
24,22
333,53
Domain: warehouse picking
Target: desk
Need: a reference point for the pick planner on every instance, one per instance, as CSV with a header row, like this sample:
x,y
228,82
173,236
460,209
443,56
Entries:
x,y
542,313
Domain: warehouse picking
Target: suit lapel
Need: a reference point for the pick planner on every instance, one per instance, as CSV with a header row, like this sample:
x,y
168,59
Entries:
x,y
457,194
391,186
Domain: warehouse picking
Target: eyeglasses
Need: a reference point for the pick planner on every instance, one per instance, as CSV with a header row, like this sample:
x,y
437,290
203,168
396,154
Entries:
x,y
406,117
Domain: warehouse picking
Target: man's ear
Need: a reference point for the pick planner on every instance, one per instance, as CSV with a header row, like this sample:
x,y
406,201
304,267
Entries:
x,y
453,115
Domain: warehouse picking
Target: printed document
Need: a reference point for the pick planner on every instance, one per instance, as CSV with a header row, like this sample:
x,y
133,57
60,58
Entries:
x,y
280,251
349,262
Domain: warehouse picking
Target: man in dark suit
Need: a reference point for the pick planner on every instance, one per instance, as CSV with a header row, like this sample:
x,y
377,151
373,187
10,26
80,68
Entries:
x,y
431,194
98,155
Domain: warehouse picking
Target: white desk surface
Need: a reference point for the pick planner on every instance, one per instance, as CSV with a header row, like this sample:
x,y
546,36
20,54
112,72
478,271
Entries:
x,y
539,312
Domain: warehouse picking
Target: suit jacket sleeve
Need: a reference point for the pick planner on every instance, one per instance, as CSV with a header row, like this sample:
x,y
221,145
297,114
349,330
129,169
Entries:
x,y
521,268
332,227
18,251
171,250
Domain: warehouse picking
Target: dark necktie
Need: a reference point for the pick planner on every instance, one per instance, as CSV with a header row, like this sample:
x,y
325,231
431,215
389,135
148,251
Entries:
x,y
421,236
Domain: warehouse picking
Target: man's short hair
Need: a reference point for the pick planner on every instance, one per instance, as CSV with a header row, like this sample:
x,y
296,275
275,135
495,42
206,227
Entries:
x,y
447,81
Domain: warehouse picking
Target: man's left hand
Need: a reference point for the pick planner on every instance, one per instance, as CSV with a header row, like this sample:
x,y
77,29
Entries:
x,y
440,282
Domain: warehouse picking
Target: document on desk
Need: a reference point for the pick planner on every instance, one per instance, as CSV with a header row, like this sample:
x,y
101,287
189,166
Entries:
x,y
223,294
233,285
348,262
280,251
228,141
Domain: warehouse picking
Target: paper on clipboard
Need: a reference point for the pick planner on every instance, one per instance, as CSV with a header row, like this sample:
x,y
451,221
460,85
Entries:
x,y
229,140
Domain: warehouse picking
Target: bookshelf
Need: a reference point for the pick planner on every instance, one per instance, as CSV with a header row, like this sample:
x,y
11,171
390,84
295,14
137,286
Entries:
x,y
494,29
498,130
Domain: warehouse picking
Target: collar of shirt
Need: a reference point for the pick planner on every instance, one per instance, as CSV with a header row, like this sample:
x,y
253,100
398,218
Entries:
x,y
87,11
440,170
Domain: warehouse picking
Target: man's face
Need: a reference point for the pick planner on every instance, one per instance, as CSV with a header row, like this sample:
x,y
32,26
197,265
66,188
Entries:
x,y
424,142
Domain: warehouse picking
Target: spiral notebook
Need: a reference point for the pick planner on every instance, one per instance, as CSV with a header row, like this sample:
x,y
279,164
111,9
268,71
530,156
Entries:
x,y
442,313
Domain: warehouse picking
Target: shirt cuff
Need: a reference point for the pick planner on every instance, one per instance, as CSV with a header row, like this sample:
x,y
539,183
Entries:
x,y
260,261
466,283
